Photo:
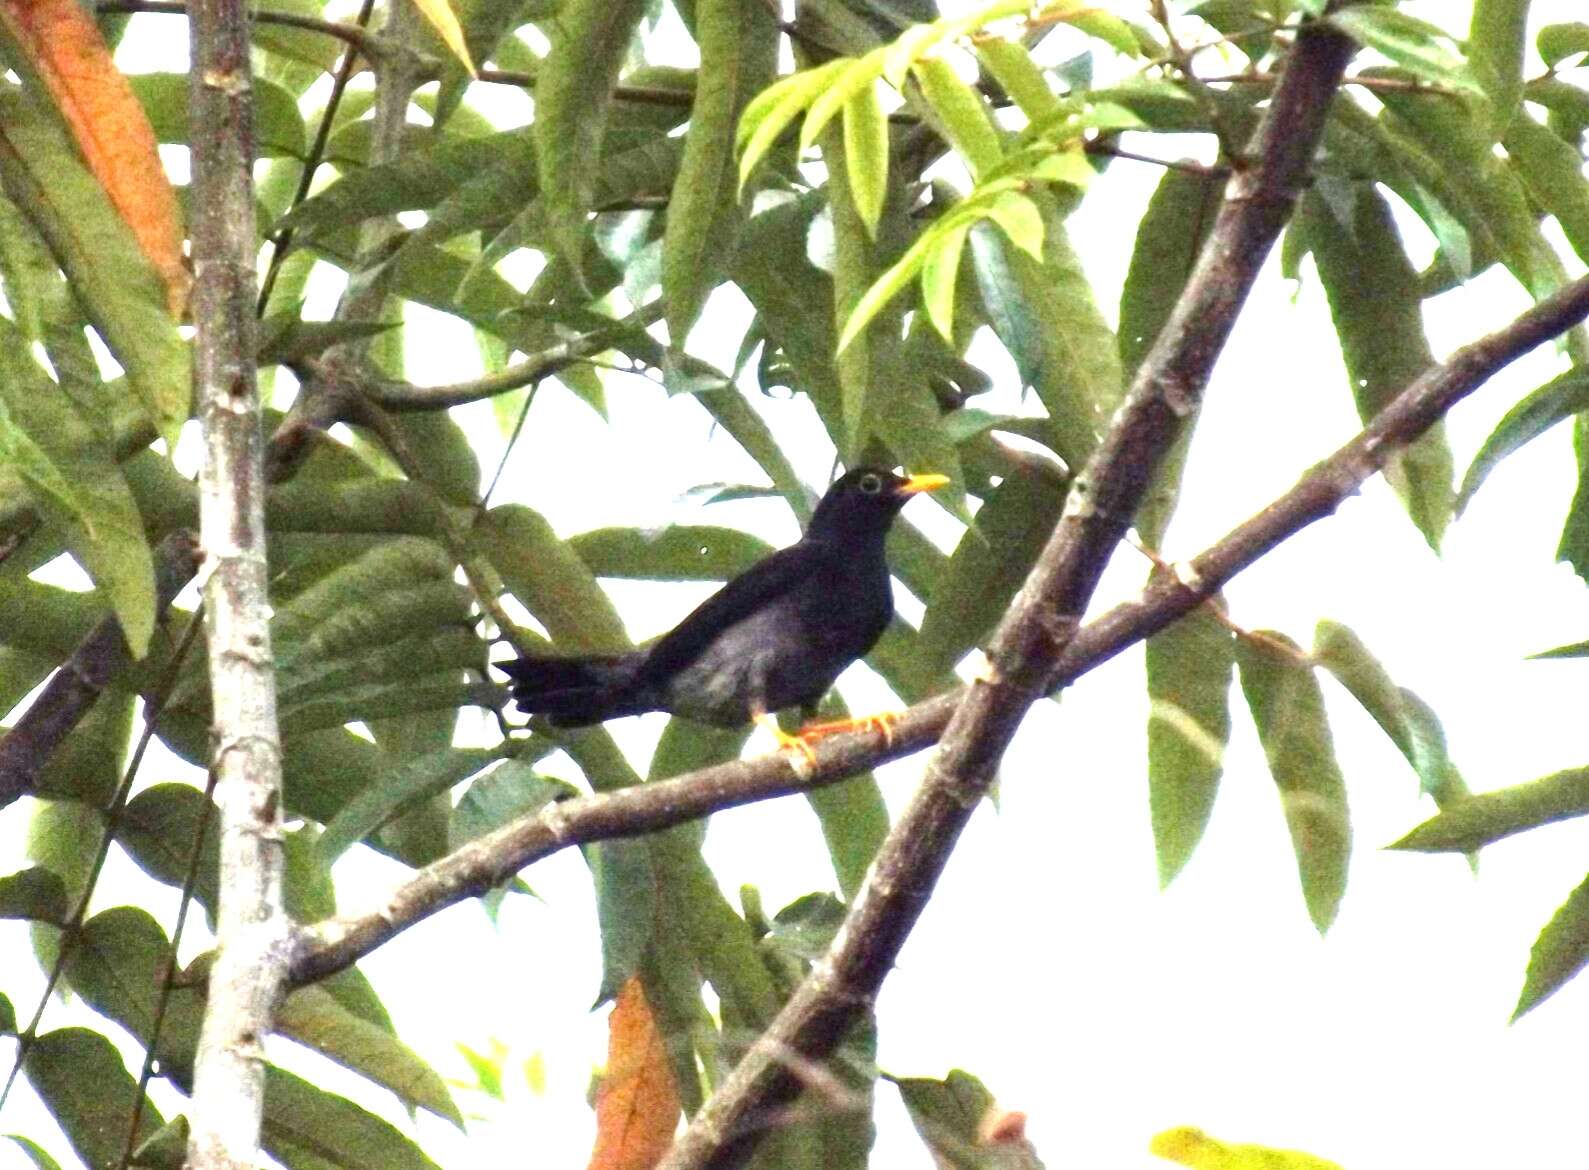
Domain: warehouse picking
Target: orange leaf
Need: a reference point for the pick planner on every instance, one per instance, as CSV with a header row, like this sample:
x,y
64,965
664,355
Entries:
x,y
63,44
637,1106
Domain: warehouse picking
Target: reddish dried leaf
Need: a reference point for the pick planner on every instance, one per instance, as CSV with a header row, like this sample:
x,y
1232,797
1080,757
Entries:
x,y
109,126
637,1106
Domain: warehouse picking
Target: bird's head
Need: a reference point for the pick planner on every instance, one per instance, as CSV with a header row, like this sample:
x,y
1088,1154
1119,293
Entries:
x,y
867,500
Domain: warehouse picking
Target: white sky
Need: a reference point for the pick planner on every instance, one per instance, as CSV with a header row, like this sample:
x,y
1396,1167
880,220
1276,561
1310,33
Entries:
x,y
1051,965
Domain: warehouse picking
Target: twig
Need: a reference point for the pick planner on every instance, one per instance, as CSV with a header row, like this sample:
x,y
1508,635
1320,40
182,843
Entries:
x,y
247,979
331,945
352,34
1041,624
1372,84
646,95
281,242
71,929
1107,148
404,396
151,1042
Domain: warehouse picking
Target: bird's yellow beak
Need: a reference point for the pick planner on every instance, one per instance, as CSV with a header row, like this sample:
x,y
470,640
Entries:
x,y
922,483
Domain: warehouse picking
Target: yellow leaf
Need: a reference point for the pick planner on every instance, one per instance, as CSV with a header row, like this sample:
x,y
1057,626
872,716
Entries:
x,y
1192,1147
637,1106
443,20
113,134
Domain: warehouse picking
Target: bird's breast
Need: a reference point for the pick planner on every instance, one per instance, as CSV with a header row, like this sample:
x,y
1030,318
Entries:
x,y
788,652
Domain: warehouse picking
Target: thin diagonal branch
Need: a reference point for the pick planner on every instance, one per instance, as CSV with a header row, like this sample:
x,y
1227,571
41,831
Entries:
x,y
336,943
404,396
76,687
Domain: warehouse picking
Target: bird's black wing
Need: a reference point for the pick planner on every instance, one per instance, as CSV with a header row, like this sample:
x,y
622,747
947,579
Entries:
x,y
759,585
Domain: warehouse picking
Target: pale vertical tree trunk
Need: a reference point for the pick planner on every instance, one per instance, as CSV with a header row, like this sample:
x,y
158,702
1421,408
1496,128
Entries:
x,y
247,979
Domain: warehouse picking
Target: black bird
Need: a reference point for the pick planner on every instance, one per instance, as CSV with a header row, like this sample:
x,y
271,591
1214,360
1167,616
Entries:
x,y
776,636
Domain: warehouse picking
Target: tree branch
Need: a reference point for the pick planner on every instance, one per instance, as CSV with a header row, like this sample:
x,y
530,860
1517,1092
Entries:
x,y
1040,626
247,979
76,686
329,946
404,396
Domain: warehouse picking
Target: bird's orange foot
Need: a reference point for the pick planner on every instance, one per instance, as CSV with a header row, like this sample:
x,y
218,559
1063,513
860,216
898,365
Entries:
x,y
787,741
884,723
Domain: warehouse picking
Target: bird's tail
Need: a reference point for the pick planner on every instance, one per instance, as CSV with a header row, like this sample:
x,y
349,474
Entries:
x,y
576,692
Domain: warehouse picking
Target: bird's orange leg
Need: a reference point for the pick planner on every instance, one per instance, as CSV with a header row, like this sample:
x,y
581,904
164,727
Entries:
x,y
884,723
769,721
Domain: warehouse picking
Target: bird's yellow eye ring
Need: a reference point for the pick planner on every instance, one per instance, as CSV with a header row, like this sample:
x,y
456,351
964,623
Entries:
x,y
871,484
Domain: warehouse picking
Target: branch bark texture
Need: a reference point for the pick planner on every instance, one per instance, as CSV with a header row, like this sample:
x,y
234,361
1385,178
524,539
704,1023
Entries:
x,y
1041,624
247,978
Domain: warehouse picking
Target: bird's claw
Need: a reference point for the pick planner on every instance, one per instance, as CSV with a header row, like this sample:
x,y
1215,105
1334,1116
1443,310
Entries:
x,y
786,742
885,723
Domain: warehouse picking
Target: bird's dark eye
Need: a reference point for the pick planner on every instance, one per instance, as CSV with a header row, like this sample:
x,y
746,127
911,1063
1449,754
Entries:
x,y
871,484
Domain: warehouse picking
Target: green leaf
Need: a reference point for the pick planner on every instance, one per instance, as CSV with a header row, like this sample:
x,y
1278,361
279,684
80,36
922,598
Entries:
x,y
859,76
35,1152
284,338
159,829
1575,650
389,795
866,155
88,1091
929,243
1377,309
1559,953
278,125
1557,42
573,96
312,1017
915,43
88,765
167,1148
989,565
626,892
949,1115
115,284
1489,817
307,1127
1161,261
959,111
8,1018
719,940
419,181
679,552
504,794
547,575
117,966
739,49
1552,170
1046,316
1439,141
939,268
1191,665
1497,35
794,302
1402,715
1011,65
1283,696
1424,49
80,487
1557,400
34,893
768,115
